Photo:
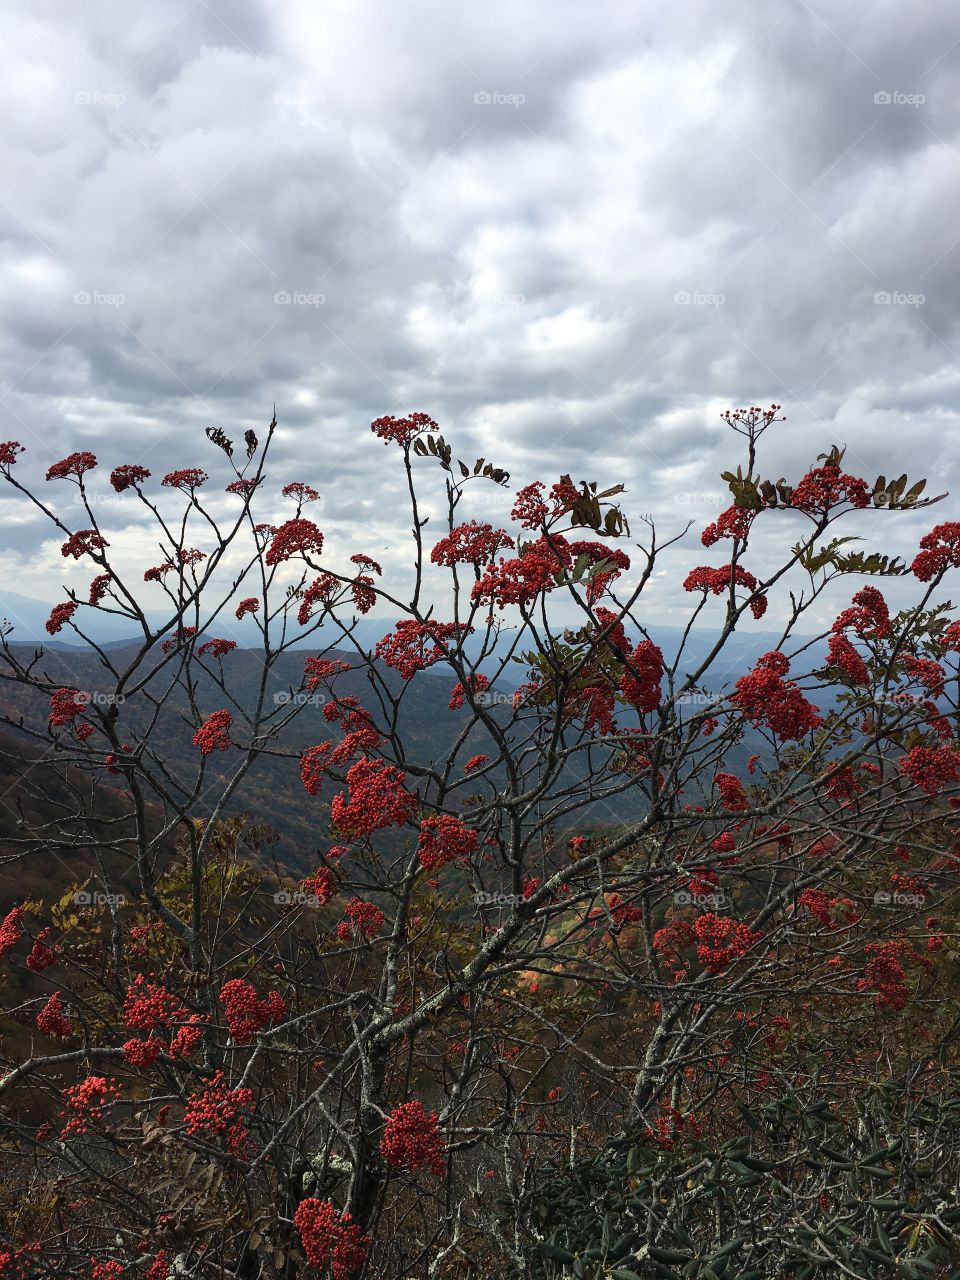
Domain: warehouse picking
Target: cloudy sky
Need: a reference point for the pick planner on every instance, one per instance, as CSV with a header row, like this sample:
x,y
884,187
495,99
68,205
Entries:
x,y
571,232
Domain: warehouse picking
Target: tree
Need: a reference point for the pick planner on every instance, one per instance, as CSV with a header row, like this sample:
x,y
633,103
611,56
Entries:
x,y
620,909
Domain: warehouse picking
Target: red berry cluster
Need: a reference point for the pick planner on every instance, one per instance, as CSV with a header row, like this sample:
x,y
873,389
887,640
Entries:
x,y
767,699
86,1103
179,637
939,550
317,669
60,615
130,474
824,487
643,671
733,523
217,1111
246,1013
406,650
884,973
521,579
867,616
250,605
323,588
623,912
402,430
705,579
295,537
187,479
41,956
376,799
322,885
157,572
477,683
52,1021
99,587
65,705
475,762
331,1239
302,492
83,542
732,795
842,655
9,449
151,1008
721,941
411,1140
932,769
73,465
11,931
217,648
443,838
214,733
472,543
365,917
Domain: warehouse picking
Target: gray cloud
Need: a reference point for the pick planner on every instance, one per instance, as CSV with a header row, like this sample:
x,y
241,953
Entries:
x,y
492,214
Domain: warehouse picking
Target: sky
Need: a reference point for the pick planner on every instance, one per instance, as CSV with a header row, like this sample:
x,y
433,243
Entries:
x,y
572,233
